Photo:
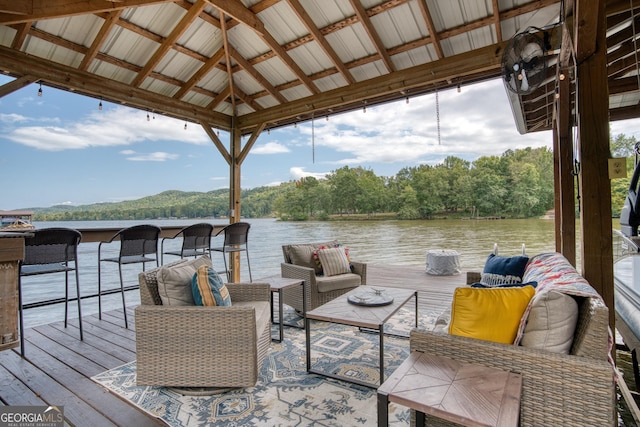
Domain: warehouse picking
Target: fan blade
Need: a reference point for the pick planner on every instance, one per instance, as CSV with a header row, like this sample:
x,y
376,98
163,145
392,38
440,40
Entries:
x,y
524,86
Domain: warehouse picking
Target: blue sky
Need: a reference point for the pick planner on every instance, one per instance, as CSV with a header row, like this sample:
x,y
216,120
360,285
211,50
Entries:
x,y
60,149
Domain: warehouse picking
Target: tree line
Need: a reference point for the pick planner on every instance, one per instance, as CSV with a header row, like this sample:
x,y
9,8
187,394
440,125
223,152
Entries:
x,y
517,184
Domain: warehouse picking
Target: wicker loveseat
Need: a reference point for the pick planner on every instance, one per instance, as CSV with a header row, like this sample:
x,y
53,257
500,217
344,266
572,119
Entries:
x,y
194,346
319,288
575,389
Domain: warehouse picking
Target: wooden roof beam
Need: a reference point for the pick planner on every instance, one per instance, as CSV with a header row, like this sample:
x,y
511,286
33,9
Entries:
x,y
49,9
255,74
227,58
433,34
237,11
373,34
168,43
82,82
104,31
321,40
484,60
200,74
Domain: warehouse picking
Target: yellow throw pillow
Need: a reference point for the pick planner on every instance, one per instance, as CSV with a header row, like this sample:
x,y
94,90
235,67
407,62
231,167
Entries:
x,y
490,314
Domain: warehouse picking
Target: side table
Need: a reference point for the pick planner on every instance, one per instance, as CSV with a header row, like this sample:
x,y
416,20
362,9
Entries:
x,y
278,284
443,262
463,393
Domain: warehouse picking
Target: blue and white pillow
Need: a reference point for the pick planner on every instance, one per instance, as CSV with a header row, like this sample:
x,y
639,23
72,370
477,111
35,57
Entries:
x,y
208,289
503,270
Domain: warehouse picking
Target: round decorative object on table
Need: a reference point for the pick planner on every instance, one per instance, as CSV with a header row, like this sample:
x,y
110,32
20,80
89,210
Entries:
x,y
373,298
443,262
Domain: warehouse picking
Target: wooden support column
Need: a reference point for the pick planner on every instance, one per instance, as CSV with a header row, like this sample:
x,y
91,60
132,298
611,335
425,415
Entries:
x,y
593,122
234,194
565,215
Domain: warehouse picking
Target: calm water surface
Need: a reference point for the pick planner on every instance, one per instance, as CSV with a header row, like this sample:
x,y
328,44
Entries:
x,y
376,242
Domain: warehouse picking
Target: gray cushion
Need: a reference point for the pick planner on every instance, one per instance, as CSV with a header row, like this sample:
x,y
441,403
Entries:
x,y
302,255
551,322
174,281
341,281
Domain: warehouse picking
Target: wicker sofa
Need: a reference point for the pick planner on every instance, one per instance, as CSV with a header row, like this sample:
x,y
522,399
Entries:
x,y
191,346
575,389
320,289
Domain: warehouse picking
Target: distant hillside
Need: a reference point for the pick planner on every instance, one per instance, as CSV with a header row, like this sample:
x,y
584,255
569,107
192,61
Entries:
x,y
168,204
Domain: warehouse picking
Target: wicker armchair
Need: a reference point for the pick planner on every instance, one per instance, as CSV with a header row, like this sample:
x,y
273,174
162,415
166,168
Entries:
x,y
576,389
192,346
315,287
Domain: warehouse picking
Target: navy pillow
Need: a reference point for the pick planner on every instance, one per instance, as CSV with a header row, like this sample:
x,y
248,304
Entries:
x,y
503,270
505,285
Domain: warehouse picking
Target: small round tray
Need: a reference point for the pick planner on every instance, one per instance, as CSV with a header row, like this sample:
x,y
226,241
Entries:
x,y
370,299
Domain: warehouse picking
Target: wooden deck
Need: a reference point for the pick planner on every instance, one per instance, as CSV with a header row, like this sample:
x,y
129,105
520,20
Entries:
x,y
58,366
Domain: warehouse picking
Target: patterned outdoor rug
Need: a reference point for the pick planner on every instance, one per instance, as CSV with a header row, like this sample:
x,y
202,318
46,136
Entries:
x,y
286,395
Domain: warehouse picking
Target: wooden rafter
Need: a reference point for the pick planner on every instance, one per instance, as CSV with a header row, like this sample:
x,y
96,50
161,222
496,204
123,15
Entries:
x,y
485,59
168,43
21,34
255,74
433,34
199,75
497,21
373,34
237,11
47,9
106,28
227,58
224,94
21,64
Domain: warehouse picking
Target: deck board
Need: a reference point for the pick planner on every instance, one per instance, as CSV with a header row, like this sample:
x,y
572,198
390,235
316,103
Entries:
x,y
58,366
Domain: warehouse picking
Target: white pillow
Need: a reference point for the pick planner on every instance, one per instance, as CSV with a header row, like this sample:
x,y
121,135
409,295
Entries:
x,y
174,282
334,261
551,323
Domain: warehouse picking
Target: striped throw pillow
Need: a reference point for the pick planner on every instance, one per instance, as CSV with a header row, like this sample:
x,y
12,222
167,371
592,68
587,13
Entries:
x,y
334,261
208,289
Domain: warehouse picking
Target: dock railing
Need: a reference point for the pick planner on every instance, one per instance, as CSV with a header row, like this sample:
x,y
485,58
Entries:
x,y
624,246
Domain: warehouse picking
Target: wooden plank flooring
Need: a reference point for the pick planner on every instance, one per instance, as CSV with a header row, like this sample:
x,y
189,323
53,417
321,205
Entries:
x,y
58,366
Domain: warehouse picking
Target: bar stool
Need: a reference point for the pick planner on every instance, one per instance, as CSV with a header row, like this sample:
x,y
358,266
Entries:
x,y
196,240
136,243
235,240
50,250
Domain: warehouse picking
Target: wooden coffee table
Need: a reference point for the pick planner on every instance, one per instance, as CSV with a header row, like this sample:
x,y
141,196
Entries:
x,y
463,393
343,312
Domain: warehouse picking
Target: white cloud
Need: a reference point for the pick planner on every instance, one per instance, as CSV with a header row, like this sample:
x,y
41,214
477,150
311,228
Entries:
x,y
297,172
158,156
12,118
476,122
112,127
270,148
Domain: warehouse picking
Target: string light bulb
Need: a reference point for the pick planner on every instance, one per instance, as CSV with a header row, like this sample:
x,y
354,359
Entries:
x,y
40,90
459,88
100,105
406,100
557,93
561,76
185,125
148,118
364,108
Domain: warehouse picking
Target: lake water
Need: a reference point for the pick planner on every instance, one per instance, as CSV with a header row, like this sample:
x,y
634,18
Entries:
x,y
376,242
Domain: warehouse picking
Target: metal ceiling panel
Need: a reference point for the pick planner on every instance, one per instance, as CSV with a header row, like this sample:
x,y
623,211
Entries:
x,y
202,37
311,58
215,81
130,47
80,30
177,65
159,19
369,71
328,12
539,18
399,26
247,42
331,82
351,43
418,56
275,71
110,71
51,52
7,35
282,23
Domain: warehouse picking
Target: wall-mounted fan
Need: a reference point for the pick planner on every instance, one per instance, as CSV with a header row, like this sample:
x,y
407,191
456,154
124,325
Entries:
x,y
524,66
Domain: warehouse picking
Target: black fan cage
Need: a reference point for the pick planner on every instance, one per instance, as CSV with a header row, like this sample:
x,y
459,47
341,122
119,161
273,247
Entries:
x,y
523,63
